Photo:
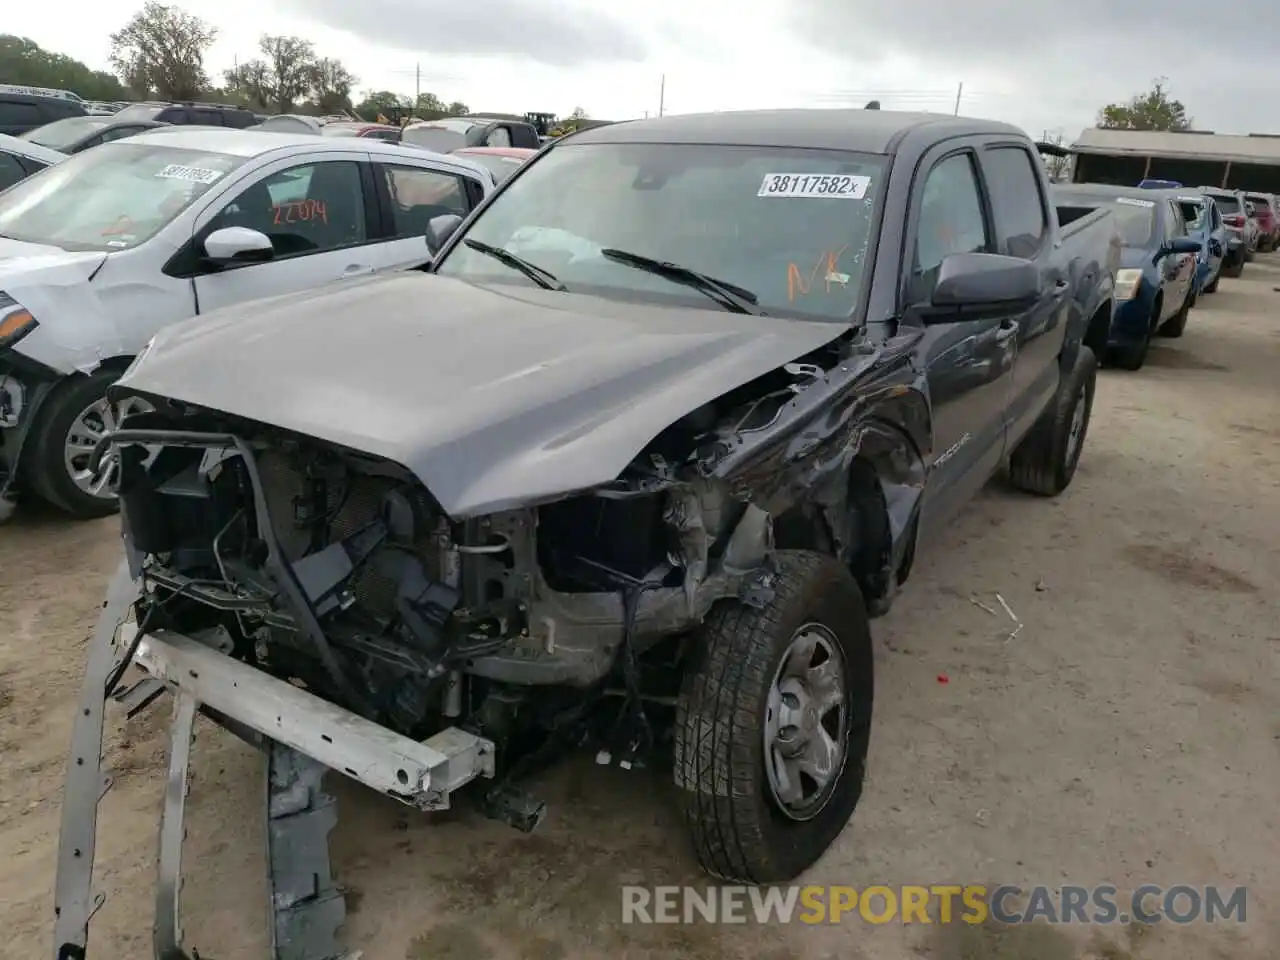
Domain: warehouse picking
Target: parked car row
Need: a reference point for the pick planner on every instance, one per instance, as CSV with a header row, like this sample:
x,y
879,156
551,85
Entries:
x,y
1177,243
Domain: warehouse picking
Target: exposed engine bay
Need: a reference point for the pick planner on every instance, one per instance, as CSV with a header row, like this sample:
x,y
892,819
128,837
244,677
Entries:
x,y
337,572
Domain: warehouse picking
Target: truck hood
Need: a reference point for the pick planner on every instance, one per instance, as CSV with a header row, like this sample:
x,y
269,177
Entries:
x,y
493,396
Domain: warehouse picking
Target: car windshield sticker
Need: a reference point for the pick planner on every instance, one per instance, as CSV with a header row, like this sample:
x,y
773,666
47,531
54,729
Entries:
x,y
176,171
1134,202
821,185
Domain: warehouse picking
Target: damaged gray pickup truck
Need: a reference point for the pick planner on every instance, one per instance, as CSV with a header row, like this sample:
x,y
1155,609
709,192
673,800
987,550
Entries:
x,y
630,464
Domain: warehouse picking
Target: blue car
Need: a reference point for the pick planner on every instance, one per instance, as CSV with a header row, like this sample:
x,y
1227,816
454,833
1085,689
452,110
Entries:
x,y
1155,286
1204,223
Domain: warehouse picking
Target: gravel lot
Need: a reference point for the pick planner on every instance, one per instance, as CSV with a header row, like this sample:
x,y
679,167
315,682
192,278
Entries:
x,y
1128,734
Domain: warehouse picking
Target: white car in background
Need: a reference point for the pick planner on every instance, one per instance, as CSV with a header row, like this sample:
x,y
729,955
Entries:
x,y
103,250
20,158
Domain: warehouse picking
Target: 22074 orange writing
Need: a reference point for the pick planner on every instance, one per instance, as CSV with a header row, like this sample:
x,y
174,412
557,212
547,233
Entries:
x,y
300,210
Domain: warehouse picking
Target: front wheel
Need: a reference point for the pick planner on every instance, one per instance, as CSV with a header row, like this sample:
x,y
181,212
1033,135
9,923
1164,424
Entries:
x,y
74,418
774,721
1045,461
1212,286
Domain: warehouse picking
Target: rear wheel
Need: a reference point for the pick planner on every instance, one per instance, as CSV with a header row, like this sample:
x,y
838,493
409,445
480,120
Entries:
x,y
774,722
1234,268
1046,459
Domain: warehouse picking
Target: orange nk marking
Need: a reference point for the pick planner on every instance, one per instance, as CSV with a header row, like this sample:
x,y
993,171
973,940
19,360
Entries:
x,y
798,285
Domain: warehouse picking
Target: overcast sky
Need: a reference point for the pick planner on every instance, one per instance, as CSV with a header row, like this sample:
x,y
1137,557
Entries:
x,y
1039,65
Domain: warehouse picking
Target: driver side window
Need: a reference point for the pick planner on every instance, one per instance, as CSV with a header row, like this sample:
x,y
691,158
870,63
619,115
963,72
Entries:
x,y
306,209
951,221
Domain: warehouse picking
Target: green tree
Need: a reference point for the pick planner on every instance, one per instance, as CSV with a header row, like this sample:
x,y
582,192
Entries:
x,y
25,62
331,85
249,83
162,49
291,62
1153,110
430,107
458,109
386,103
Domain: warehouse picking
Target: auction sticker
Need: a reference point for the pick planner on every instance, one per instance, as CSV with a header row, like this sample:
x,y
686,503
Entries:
x,y
1135,202
841,186
176,171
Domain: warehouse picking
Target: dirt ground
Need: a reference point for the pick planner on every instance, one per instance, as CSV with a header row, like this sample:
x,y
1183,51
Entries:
x,y
1128,734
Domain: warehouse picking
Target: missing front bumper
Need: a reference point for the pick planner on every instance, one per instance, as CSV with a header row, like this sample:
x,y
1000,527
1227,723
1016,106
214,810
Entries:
x,y
301,735
422,775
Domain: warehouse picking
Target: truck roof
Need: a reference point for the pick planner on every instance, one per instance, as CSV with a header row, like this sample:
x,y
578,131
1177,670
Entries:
x,y
864,131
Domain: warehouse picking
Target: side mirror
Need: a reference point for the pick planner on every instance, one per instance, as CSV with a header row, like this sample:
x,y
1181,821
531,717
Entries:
x,y
1250,210
440,229
1184,245
235,246
981,282
1215,247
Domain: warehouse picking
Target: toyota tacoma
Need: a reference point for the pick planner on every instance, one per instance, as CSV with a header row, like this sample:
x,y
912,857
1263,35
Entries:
x,y
631,462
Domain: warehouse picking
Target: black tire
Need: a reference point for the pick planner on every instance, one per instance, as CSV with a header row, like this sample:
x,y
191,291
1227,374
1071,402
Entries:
x,y
1176,325
1132,356
740,831
1046,459
1233,270
1212,286
45,469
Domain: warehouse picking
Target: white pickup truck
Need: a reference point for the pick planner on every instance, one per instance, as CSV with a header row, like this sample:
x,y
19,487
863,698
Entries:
x,y
100,252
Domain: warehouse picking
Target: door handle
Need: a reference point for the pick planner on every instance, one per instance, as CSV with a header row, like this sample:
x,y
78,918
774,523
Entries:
x,y
357,270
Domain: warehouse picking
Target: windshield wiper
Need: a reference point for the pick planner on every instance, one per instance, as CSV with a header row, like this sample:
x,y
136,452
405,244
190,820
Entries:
x,y
543,278
730,296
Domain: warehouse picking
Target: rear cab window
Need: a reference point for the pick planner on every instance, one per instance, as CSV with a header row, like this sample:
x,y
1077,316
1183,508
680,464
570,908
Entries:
x,y
788,226
1021,221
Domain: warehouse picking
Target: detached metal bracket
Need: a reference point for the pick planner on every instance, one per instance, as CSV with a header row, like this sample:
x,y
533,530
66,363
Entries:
x,y
301,736
74,904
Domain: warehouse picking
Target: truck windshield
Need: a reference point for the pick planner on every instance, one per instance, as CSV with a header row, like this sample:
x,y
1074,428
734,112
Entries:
x,y
112,197
789,226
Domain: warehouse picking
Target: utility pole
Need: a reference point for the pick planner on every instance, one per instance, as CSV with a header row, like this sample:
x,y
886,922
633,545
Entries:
x,y
959,93
417,84
662,94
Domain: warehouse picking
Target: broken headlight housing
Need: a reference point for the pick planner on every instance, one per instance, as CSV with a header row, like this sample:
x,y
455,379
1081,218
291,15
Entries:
x,y
16,320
